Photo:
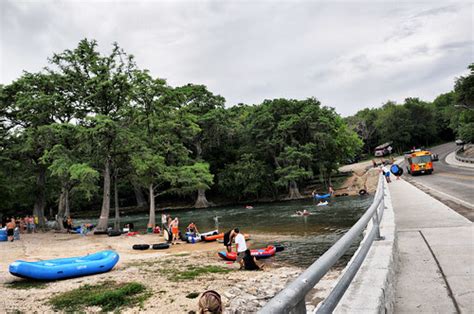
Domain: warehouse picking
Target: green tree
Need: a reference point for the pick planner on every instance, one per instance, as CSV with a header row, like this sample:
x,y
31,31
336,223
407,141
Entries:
x,y
206,109
29,105
64,160
101,85
463,122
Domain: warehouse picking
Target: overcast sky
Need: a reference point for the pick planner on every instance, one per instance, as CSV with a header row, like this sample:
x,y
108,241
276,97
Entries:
x,y
349,55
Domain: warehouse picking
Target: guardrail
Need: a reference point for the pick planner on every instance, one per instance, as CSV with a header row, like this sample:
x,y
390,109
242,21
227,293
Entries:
x,y
292,298
463,159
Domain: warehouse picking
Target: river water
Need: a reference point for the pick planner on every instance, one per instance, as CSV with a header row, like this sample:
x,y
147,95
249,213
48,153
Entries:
x,y
305,237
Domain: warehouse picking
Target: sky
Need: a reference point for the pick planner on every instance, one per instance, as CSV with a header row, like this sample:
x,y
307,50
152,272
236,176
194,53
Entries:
x,y
347,54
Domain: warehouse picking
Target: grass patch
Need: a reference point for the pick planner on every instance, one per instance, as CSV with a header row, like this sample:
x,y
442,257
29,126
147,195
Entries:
x,y
192,295
109,296
193,272
26,285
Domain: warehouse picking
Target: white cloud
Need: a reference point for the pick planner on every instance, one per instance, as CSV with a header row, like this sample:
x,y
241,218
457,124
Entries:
x,y
349,55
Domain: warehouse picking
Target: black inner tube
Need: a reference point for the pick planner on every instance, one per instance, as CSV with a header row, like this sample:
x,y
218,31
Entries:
x,y
279,247
141,247
114,233
362,192
160,246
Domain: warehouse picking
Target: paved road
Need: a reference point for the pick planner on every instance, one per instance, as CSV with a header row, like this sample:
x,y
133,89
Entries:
x,y
450,184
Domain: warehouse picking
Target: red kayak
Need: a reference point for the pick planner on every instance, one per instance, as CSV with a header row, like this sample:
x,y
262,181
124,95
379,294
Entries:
x,y
221,236
269,251
213,237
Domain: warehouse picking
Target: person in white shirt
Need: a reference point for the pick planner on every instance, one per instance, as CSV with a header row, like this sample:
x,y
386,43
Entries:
x,y
163,222
240,246
386,173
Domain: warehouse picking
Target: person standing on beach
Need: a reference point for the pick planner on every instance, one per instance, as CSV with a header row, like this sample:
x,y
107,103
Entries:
x,y
240,246
228,237
163,221
35,223
11,229
169,220
175,229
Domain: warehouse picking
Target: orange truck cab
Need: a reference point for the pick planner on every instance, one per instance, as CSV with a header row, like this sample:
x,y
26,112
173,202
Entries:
x,y
419,161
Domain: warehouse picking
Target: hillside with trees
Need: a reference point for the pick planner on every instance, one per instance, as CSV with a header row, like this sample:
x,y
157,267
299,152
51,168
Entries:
x,y
419,123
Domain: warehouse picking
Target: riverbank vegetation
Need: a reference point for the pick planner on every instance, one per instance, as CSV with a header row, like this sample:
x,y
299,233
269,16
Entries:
x,y
93,130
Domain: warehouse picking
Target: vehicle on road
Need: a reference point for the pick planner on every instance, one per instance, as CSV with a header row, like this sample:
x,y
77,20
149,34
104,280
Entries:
x,y
384,149
459,142
418,162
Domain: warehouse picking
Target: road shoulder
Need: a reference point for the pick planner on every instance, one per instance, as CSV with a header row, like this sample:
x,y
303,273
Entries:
x,y
436,253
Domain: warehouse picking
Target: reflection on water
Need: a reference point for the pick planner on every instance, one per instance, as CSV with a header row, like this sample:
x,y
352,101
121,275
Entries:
x,y
305,237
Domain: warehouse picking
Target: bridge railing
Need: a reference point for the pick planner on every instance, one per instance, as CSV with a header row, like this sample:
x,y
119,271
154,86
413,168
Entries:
x,y
292,298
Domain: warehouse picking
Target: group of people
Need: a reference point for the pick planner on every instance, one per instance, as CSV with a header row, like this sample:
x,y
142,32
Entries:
x,y
172,224
24,224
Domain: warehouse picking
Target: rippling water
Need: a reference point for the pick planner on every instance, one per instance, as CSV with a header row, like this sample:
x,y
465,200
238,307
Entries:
x,y
305,238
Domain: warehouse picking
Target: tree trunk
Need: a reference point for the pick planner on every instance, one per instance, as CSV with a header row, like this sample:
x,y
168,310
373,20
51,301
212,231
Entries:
x,y
141,200
151,220
294,191
201,201
61,209
104,212
40,197
67,209
116,202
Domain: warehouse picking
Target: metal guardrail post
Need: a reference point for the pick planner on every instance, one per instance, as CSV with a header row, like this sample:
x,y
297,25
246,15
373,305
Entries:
x,y
292,298
376,222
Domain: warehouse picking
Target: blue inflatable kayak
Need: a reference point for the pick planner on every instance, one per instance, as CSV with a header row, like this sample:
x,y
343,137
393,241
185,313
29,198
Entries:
x,y
3,235
61,268
318,196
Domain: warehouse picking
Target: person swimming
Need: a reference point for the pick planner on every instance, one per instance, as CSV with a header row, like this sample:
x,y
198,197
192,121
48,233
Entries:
x,y
303,213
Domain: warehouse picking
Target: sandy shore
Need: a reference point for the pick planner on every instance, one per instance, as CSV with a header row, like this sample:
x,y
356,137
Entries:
x,y
240,290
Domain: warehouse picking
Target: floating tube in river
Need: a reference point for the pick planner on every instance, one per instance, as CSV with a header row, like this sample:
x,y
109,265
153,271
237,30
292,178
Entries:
x,y
319,196
61,268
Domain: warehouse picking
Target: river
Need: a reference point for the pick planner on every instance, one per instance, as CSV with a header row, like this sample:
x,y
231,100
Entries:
x,y
305,237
